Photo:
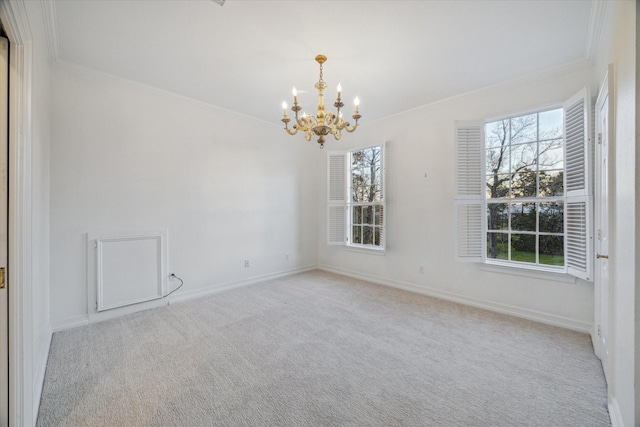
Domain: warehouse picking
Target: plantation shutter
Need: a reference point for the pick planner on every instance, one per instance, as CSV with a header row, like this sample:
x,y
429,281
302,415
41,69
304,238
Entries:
x,y
383,215
469,186
336,198
578,240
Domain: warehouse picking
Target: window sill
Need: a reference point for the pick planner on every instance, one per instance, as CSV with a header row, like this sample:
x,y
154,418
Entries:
x,y
366,250
524,271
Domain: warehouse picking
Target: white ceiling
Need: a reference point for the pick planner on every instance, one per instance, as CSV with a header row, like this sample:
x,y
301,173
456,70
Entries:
x,y
245,56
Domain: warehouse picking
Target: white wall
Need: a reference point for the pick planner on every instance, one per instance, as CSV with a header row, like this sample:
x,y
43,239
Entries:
x,y
420,227
618,46
126,157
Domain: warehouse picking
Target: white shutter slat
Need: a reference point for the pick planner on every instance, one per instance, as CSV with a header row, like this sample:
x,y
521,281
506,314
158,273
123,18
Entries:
x,y
337,215
578,240
383,182
468,217
469,225
575,146
337,184
469,159
336,198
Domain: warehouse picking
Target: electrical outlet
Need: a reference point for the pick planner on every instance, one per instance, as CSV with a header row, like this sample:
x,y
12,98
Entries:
x,y
246,263
422,269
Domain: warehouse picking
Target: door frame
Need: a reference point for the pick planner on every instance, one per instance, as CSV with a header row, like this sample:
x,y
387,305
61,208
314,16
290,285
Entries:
x,y
606,88
4,210
22,390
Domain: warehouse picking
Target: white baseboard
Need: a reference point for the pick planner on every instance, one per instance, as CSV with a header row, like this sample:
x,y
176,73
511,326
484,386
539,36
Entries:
x,y
38,378
537,316
83,320
72,322
595,343
614,414
198,293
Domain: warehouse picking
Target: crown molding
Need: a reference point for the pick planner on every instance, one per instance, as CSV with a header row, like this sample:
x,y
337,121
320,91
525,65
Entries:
x,y
574,66
50,29
16,21
596,20
98,75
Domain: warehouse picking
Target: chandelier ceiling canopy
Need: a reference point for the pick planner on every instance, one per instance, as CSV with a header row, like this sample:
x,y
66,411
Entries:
x,y
323,122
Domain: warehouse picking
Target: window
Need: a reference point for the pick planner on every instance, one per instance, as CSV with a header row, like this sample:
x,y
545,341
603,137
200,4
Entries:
x,y
522,190
356,198
524,196
366,205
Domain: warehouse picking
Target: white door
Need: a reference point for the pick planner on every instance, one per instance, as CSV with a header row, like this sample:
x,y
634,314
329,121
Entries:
x,y
602,289
4,306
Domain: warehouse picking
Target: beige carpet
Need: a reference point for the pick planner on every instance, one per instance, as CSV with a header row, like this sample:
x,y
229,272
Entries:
x,y
318,349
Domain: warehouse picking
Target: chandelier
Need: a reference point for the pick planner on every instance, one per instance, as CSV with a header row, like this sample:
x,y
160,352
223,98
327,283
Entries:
x,y
322,123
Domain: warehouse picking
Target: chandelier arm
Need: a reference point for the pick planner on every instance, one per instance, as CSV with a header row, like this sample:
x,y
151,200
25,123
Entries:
x,y
309,122
290,132
338,104
330,119
296,109
286,121
352,128
356,117
299,121
303,124
342,124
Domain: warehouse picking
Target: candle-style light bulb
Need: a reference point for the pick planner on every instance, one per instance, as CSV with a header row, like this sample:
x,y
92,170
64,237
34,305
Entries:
x,y
356,101
284,107
295,95
339,89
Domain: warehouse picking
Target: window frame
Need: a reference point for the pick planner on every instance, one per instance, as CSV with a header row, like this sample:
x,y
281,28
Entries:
x,y
351,203
340,201
510,200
